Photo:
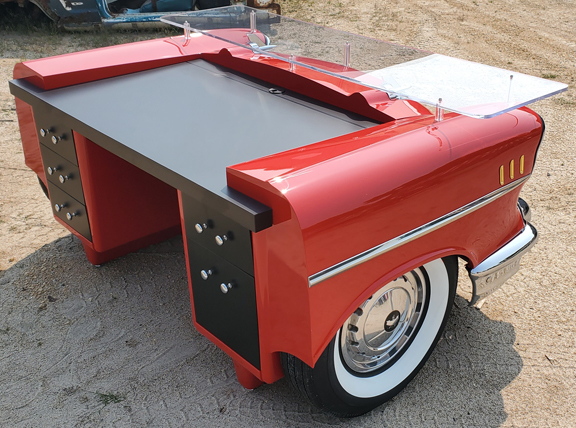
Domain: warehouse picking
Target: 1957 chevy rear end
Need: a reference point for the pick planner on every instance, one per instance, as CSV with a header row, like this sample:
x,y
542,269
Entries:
x,y
323,208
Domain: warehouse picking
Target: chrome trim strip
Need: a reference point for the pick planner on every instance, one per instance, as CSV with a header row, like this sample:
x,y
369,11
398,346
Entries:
x,y
413,234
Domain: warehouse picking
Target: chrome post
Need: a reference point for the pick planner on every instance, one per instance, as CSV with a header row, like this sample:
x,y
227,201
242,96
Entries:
x,y
439,111
252,22
186,30
509,89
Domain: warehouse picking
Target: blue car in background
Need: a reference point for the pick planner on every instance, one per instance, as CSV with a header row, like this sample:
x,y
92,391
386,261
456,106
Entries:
x,y
78,14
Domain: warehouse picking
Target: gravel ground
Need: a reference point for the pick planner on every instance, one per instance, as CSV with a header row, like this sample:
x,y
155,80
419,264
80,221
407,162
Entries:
x,y
115,346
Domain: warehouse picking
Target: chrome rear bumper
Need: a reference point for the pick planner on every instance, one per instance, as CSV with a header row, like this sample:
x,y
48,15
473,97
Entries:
x,y
491,274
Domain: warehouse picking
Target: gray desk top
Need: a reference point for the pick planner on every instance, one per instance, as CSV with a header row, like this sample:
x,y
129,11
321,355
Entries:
x,y
187,122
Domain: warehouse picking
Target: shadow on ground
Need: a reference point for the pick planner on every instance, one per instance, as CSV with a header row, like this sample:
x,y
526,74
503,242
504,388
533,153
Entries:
x,y
115,346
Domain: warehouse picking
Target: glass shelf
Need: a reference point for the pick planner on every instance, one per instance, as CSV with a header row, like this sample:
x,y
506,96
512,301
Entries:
x,y
464,87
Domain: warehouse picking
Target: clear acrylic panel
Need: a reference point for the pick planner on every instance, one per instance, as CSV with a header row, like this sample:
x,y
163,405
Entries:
x,y
465,87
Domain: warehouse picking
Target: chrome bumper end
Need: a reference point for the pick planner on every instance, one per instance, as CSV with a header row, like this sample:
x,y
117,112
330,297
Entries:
x,y
494,271
524,209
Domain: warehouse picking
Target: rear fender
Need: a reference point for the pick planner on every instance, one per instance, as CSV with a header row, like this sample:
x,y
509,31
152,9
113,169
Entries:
x,y
346,197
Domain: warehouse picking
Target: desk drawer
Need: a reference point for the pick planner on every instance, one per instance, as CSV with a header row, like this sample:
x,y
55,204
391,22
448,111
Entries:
x,y
224,299
69,210
63,174
218,233
54,134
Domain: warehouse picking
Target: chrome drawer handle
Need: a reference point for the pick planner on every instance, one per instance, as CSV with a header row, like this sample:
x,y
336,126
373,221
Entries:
x,y
57,138
225,288
45,131
63,178
200,227
58,207
205,274
52,170
220,240
70,216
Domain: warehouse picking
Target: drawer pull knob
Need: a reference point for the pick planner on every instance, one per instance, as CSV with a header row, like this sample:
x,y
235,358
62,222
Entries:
x,y
200,227
52,169
225,288
205,274
58,207
220,239
70,216
56,139
63,178
45,131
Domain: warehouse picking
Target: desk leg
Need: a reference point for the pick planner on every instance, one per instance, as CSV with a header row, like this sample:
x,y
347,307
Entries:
x,y
246,379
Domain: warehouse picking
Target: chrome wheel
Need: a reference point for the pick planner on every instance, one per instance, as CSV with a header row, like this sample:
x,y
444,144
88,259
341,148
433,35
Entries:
x,y
378,331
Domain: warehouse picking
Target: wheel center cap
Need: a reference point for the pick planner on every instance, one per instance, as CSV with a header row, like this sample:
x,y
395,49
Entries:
x,y
392,321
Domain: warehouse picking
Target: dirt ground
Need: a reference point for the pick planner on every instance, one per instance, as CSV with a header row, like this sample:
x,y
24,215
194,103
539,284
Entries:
x,y
115,346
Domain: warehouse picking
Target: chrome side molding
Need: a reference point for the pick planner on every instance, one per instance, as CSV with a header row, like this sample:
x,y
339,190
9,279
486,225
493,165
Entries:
x,y
411,235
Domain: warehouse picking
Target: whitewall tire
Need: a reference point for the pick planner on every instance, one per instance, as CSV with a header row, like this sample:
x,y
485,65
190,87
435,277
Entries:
x,y
382,345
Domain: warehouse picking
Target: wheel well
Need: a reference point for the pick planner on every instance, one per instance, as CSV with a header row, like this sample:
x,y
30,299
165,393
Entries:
x,y
44,6
388,277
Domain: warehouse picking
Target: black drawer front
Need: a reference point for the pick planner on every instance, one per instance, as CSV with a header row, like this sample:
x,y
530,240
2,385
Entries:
x,y
230,316
69,207
62,174
54,134
235,240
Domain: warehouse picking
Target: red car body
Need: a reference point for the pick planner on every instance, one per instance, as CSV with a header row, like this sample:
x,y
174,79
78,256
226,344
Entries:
x,y
330,200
